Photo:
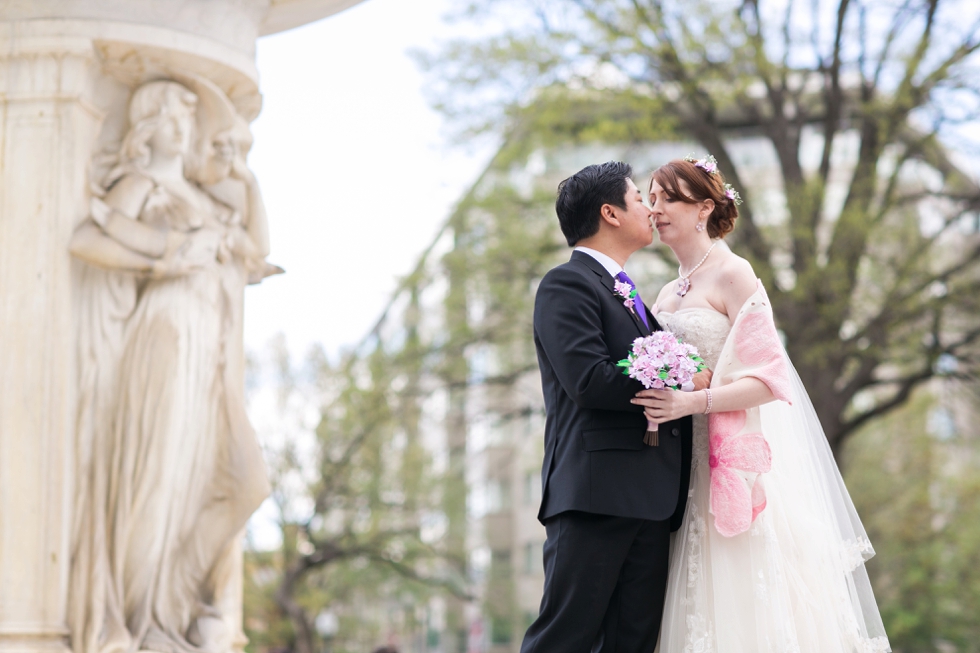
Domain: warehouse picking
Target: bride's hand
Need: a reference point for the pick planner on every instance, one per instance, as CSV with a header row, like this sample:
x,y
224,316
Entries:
x,y
702,380
665,405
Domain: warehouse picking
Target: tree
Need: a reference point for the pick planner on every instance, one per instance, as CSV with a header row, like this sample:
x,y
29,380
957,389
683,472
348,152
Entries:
x,y
912,478
353,499
873,264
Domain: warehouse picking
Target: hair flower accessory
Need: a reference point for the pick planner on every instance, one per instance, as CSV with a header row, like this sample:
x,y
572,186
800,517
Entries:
x,y
709,163
732,194
627,292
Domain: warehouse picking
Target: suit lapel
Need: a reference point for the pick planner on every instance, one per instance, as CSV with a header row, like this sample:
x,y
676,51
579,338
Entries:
x,y
596,267
607,280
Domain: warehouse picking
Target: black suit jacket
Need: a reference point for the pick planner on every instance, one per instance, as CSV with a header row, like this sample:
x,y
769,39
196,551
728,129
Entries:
x,y
594,456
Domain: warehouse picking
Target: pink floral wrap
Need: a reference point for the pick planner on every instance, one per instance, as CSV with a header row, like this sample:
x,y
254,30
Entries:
x,y
739,453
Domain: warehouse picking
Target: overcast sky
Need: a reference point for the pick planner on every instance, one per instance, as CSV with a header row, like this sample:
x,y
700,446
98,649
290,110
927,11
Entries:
x,y
354,166
357,177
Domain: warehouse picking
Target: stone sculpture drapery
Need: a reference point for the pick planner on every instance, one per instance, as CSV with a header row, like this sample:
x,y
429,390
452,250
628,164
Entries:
x,y
169,469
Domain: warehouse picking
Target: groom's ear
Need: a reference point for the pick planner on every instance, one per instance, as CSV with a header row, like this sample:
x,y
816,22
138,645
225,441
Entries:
x,y
607,214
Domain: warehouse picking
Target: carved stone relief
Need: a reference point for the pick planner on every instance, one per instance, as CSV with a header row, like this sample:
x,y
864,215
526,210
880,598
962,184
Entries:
x,y
168,467
127,466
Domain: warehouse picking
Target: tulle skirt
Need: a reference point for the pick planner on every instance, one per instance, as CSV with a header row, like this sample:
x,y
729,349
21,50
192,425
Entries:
x,y
796,580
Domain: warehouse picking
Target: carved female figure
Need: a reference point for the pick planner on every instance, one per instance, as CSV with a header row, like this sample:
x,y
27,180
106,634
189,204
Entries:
x,y
171,468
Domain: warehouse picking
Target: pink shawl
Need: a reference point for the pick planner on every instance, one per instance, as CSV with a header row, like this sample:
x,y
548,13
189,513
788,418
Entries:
x,y
739,453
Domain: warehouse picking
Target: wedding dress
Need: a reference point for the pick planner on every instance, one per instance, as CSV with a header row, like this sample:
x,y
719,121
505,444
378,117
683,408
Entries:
x,y
793,582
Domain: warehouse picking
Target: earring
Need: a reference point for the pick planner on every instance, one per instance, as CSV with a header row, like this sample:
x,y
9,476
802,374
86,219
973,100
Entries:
x,y
700,226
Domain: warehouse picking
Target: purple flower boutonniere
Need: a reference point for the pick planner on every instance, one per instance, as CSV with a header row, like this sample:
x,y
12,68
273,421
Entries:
x,y
627,292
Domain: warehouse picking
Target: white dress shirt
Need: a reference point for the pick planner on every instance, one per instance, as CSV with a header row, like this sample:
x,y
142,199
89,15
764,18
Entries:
x,y
612,267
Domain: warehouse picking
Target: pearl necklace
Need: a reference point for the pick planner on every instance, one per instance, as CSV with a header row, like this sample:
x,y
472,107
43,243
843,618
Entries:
x,y
684,283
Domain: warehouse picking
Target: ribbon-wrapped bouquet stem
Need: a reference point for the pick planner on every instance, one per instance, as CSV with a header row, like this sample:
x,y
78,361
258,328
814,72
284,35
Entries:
x,y
662,362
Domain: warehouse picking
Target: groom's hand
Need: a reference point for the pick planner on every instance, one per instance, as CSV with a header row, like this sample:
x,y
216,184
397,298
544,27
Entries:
x,y
702,380
667,405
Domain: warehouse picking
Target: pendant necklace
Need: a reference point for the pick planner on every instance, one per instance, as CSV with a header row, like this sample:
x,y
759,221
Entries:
x,y
684,283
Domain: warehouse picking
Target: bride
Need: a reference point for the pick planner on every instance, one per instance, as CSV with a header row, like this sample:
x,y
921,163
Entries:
x,y
771,553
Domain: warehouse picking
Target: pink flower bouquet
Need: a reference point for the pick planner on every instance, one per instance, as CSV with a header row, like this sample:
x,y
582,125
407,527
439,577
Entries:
x,y
661,361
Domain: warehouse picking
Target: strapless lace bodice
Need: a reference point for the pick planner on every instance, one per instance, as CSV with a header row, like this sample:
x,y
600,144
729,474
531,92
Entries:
x,y
705,328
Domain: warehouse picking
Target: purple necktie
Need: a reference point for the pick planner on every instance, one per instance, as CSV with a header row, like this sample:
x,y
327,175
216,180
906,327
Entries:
x,y
640,309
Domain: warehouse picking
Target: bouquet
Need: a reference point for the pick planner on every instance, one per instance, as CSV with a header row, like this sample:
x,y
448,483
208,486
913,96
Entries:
x,y
661,361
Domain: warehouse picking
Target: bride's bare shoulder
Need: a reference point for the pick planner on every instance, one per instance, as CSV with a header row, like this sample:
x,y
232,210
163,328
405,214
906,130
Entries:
x,y
737,281
734,268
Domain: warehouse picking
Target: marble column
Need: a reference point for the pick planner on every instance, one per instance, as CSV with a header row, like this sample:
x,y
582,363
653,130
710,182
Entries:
x,y
48,124
67,70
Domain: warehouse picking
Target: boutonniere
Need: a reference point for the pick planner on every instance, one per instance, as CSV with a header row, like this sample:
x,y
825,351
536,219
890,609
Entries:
x,y
627,292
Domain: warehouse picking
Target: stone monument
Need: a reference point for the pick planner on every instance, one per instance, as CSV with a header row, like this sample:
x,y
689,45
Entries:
x,y
129,227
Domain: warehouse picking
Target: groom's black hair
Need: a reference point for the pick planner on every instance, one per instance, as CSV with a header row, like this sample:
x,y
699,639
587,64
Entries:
x,y
581,196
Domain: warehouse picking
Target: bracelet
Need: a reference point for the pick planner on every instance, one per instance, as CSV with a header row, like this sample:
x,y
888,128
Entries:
x,y
707,408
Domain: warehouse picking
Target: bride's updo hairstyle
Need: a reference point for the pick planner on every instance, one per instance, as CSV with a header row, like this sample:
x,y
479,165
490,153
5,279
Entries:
x,y
704,181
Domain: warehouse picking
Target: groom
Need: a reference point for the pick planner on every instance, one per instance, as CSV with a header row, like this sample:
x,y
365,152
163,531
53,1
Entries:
x,y
609,501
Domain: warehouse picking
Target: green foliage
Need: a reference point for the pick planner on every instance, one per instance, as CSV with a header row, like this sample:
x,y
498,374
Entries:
x,y
353,503
919,497
266,627
563,117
